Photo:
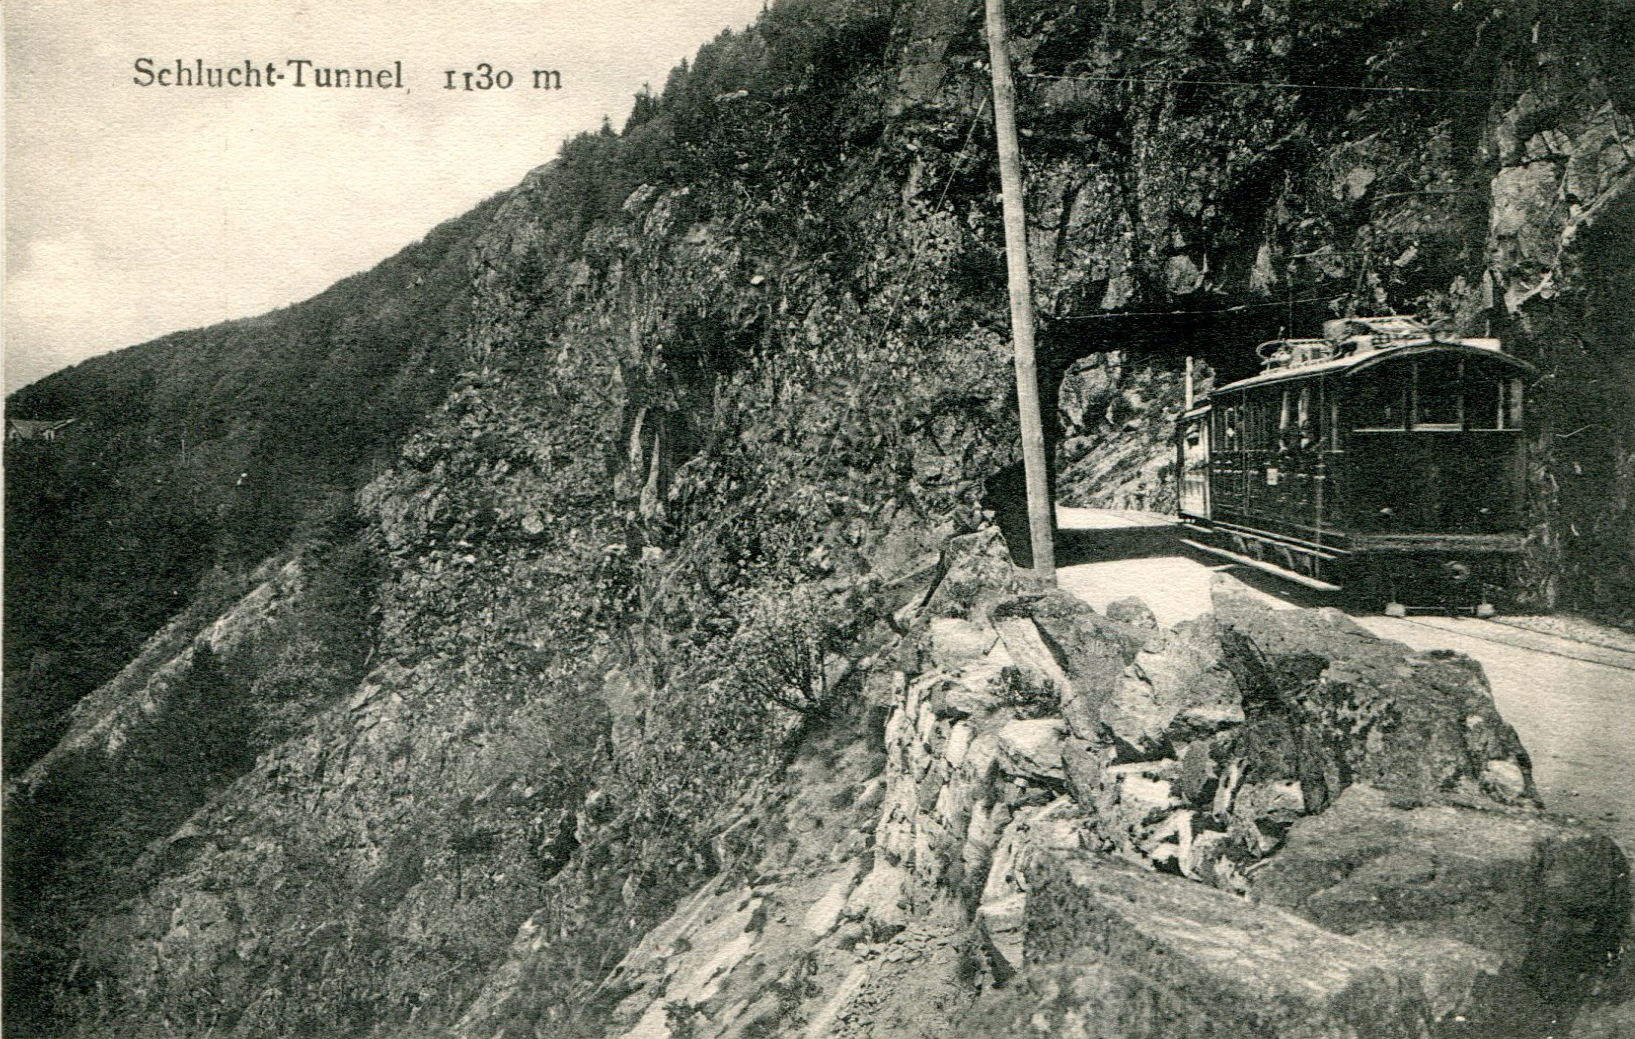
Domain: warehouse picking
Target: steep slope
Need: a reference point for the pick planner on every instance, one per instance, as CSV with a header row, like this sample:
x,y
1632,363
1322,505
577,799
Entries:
x,y
204,494
202,452
734,375
1083,826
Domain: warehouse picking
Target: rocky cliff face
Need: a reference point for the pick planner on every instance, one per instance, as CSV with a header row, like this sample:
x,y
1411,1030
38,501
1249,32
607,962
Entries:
x,y
644,589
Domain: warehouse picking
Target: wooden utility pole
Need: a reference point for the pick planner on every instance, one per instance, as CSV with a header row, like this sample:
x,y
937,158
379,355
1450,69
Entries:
x,y
1041,526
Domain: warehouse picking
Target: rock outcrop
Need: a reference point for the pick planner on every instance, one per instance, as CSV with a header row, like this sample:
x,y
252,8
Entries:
x,y
1535,904
1118,413
1013,871
1122,953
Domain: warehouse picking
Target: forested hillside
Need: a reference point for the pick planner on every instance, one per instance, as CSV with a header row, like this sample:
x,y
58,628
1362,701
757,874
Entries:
x,y
491,598
197,455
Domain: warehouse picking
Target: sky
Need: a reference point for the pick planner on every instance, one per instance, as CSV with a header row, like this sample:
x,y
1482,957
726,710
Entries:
x,y
136,210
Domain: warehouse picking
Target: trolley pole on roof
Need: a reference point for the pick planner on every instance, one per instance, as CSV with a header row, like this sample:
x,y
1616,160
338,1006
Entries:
x,y
1041,526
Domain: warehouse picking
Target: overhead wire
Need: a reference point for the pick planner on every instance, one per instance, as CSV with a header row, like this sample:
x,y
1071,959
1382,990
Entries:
x,y
1269,84
1178,313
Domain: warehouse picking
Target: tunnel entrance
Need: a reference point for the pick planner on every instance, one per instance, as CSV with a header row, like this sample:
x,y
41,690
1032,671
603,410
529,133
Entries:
x,y
1111,387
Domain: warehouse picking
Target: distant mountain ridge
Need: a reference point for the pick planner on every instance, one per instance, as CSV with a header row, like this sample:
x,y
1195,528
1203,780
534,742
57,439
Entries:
x,y
206,449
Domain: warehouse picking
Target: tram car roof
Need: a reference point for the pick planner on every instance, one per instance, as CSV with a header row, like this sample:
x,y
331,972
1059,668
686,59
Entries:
x,y
1352,345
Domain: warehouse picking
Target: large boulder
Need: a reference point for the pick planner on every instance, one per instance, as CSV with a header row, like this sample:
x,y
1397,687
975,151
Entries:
x,y
1073,626
975,572
1174,691
955,642
1032,750
1117,953
1198,747
1056,638
1369,710
1547,900
1254,718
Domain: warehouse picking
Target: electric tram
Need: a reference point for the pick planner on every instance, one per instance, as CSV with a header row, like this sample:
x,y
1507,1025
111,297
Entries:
x,y
1380,459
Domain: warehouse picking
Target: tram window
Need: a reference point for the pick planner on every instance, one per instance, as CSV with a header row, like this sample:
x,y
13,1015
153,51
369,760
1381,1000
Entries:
x,y
1378,401
1229,427
1484,404
1294,419
1303,418
1258,431
1510,404
1494,405
1438,394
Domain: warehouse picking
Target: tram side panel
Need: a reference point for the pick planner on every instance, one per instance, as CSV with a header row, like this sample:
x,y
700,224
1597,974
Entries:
x,y
1269,461
1397,475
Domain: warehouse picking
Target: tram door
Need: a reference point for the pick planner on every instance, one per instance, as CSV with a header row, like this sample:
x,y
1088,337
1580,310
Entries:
x,y
1194,464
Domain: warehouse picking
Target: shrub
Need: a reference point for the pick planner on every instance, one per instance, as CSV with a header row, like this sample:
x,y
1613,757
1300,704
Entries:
x,y
787,634
1027,699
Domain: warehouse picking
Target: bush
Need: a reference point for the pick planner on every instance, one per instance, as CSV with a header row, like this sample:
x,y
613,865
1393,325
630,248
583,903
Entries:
x,y
787,635
1027,699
